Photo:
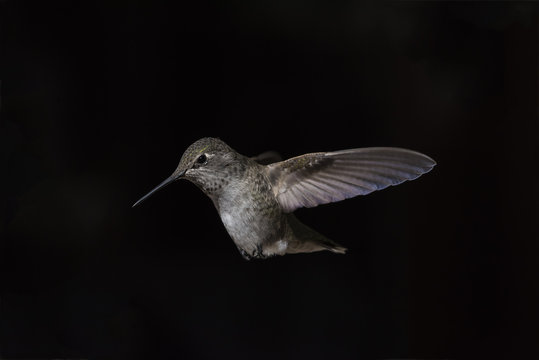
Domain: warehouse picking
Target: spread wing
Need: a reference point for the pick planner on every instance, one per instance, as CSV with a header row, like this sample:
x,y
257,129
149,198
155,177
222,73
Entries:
x,y
320,178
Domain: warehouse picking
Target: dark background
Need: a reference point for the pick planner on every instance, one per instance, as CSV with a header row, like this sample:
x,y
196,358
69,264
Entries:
x,y
99,100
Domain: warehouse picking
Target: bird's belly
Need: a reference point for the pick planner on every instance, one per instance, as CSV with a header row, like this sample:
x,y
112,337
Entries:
x,y
240,227
254,231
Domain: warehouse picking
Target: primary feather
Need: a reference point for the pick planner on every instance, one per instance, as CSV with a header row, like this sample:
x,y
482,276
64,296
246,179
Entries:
x,y
320,178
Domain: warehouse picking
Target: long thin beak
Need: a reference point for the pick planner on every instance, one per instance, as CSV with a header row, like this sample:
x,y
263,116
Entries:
x,y
167,181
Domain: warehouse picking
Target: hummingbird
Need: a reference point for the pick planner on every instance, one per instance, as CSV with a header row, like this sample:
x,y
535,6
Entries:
x,y
256,196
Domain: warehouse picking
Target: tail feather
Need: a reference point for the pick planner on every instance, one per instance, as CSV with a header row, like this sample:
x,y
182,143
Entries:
x,y
304,239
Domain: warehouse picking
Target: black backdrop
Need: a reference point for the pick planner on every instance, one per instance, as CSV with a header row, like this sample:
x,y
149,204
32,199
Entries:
x,y
99,100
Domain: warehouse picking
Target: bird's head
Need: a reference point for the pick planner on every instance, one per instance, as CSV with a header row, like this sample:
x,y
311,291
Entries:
x,y
208,163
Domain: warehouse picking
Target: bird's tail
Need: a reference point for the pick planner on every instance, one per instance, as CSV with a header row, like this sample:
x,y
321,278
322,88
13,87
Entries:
x,y
305,239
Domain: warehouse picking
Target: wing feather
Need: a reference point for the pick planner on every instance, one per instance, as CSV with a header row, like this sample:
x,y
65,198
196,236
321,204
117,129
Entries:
x,y
320,178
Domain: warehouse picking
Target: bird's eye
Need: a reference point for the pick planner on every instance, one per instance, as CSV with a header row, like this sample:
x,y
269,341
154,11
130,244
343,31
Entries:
x,y
202,159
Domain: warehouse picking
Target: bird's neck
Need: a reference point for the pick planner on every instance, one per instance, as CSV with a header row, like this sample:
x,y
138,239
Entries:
x,y
232,179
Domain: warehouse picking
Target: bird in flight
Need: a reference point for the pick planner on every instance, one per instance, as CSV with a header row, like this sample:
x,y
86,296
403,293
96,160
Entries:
x,y
256,196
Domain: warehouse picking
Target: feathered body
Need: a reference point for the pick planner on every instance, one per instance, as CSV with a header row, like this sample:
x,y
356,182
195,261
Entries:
x,y
256,201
